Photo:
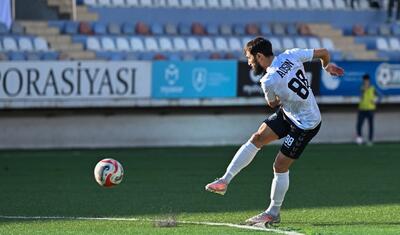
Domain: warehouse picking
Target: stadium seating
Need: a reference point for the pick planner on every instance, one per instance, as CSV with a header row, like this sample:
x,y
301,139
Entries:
x,y
145,38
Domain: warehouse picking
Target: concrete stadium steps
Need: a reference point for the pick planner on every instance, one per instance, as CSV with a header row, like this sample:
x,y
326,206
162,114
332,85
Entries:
x,y
65,7
82,14
344,43
58,42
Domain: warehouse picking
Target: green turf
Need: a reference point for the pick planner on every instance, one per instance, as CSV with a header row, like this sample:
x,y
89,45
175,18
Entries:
x,y
334,189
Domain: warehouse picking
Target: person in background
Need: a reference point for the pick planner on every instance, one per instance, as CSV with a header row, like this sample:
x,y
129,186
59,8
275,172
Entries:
x,y
366,109
390,11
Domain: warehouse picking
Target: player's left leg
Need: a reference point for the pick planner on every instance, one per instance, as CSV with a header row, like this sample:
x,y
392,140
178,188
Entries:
x,y
279,187
294,144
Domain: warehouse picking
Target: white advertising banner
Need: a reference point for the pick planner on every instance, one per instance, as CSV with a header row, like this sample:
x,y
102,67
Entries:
x,y
73,83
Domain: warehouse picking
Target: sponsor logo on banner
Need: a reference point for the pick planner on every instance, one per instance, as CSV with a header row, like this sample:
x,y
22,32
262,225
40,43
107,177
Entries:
x,y
199,79
53,84
194,79
388,76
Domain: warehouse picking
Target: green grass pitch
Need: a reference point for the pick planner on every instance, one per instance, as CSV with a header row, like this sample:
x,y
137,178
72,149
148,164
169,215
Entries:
x,y
334,189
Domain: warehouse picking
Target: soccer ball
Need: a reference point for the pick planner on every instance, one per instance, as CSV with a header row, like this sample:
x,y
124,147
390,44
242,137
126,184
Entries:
x,y
108,172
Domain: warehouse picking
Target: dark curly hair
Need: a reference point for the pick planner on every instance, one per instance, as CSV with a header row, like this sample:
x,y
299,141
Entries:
x,y
259,45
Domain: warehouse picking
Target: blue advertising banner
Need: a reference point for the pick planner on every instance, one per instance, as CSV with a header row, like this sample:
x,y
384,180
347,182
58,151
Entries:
x,y
385,76
194,79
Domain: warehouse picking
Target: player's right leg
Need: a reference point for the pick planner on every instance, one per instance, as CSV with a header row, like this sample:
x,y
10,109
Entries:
x,y
242,158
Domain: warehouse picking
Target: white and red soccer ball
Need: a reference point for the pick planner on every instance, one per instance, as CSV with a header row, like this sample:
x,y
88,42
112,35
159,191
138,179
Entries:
x,y
108,172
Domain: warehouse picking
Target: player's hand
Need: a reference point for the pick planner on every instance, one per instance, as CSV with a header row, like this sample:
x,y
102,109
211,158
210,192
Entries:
x,y
334,70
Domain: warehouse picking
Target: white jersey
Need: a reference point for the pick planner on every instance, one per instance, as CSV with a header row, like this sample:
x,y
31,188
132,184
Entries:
x,y
286,79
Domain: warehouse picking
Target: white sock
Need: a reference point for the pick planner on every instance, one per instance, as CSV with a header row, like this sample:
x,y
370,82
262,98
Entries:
x,y
242,158
279,187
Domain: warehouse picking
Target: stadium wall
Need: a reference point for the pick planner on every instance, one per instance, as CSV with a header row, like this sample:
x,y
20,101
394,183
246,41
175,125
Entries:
x,y
180,129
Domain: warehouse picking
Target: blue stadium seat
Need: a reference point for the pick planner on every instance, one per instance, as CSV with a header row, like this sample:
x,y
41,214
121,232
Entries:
x,y
165,44
118,3
3,28
239,29
213,4
265,29
384,30
105,3
225,29
151,44
328,44
394,44
303,4
382,44
221,44
40,44
71,27
32,56
276,44
240,4
287,43
173,56
226,3
207,44
314,42
122,44
200,3
327,4
146,3
252,4
291,4
113,29
156,29
184,29
315,4
128,28
49,55
173,3
193,44
291,29
99,28
16,55
160,3
212,29
107,44
132,56
278,29
265,4
179,44
372,29
17,28
93,44
235,44
132,3
301,42
279,4
186,3
171,29
395,29
10,44
137,44
25,44
341,4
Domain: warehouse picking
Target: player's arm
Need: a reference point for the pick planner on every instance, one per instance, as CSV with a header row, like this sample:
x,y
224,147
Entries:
x,y
323,55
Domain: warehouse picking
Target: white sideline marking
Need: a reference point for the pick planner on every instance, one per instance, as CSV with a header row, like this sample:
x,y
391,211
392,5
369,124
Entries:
x,y
17,217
